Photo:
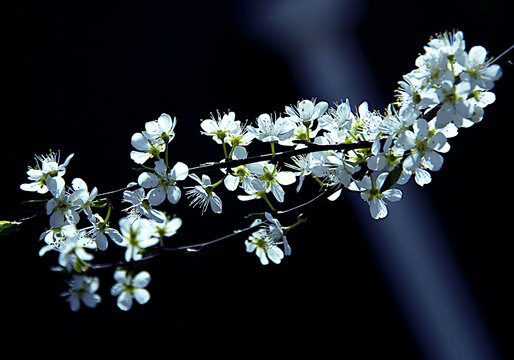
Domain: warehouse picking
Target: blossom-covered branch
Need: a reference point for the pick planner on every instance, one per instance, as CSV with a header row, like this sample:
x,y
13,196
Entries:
x,y
363,151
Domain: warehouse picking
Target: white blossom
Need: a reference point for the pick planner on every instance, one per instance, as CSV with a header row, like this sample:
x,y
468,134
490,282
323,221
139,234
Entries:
x,y
138,234
477,71
306,111
140,205
221,128
100,230
82,289
163,184
276,234
160,130
203,194
372,194
47,167
264,246
268,130
130,287
60,207
271,178
240,174
425,143
81,198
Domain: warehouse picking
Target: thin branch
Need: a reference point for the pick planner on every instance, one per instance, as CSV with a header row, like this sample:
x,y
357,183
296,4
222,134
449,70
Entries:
x,y
117,191
164,250
502,55
279,156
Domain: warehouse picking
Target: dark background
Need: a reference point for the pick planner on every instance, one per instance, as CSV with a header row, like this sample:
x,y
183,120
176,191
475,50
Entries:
x,y
82,77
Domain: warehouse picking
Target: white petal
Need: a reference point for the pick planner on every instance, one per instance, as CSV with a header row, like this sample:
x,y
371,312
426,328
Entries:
x,y
406,140
216,204
421,129
438,142
140,142
433,160
209,126
79,184
148,180
156,196
377,209
74,301
141,295
121,276
422,177
335,195
124,301
50,206
139,157
172,226
165,122
142,279
231,182
56,186
239,153
91,300
262,256
117,289
412,162
392,195
285,177
477,55
179,171
35,186
380,179
278,192
173,194
275,254
115,236
101,241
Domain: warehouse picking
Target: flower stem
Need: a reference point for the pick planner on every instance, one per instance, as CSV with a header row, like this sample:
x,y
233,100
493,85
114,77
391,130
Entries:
x,y
265,197
224,149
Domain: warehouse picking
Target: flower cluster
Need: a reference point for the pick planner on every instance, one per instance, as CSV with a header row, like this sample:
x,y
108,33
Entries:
x,y
448,90
143,227
363,151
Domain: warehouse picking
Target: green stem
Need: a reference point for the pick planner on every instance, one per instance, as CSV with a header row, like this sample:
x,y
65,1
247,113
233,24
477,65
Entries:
x,y
219,182
166,156
108,213
224,149
273,148
286,229
265,197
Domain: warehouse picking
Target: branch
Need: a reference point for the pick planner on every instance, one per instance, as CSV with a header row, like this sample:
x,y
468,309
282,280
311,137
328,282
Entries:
x,y
279,156
164,250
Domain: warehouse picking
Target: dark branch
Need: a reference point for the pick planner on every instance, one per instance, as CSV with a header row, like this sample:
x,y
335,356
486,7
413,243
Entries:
x,y
279,156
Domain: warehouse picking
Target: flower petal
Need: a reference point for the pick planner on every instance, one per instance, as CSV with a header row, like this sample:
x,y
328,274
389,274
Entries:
x,y
142,279
140,142
141,295
156,196
179,171
124,301
173,194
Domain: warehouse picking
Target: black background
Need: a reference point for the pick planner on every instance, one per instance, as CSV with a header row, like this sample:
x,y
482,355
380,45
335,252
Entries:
x,y
82,77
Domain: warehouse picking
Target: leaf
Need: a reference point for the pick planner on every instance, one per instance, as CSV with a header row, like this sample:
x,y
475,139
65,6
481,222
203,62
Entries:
x,y
391,179
35,203
8,227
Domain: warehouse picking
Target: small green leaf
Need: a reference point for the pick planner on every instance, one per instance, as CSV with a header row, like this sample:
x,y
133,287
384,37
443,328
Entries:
x,y
8,227
392,178
35,203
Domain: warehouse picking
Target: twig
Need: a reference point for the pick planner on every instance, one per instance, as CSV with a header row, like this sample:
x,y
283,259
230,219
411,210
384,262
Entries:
x,y
279,156
164,250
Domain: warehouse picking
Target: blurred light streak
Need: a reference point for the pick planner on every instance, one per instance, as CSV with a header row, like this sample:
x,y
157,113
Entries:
x,y
317,40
